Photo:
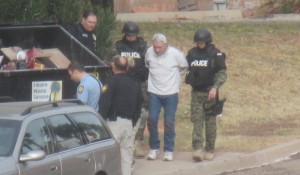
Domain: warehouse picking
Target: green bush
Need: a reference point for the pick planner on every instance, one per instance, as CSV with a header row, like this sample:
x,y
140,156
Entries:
x,y
287,7
67,12
15,11
290,6
106,24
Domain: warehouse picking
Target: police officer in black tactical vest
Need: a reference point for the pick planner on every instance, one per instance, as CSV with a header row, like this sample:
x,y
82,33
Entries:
x,y
133,47
207,73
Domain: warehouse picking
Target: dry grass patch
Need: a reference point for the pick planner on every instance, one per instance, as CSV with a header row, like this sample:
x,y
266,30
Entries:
x,y
263,88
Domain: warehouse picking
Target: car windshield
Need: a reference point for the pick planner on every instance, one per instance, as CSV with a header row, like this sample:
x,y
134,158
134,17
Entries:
x,y
9,130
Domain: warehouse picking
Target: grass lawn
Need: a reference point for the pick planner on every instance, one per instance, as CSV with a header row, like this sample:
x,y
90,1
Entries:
x,y
263,86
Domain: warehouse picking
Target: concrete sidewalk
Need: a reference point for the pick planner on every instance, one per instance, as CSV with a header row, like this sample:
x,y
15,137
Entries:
x,y
223,162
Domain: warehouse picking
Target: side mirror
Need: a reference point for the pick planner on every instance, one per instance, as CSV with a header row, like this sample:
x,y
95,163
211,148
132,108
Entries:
x,y
32,155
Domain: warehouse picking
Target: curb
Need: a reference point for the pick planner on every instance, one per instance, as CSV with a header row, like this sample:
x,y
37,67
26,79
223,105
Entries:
x,y
180,16
224,163
256,159
203,16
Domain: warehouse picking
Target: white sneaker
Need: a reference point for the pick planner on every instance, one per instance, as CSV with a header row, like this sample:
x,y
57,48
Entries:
x,y
153,154
168,156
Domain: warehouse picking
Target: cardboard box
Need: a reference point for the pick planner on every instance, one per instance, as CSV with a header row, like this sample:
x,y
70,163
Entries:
x,y
10,53
50,58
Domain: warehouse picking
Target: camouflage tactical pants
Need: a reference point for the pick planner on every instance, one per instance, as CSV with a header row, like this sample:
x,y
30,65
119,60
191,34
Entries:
x,y
202,123
144,115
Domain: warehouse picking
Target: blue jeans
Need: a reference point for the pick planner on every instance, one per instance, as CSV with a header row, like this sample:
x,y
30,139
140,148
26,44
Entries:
x,y
169,104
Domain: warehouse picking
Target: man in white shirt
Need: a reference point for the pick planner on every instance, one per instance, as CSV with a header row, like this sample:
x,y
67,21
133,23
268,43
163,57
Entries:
x,y
165,64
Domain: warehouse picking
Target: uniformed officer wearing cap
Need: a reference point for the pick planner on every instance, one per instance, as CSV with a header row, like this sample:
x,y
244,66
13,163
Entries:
x,y
207,73
84,31
133,47
89,88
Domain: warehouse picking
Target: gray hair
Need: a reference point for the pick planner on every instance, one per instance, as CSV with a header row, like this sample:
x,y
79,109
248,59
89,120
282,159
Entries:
x,y
159,37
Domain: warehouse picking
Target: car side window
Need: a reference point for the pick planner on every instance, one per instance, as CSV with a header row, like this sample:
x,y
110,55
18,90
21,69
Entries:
x,y
37,137
66,134
90,125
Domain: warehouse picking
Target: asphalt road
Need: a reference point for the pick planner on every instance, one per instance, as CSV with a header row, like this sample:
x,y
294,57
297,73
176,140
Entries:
x,y
286,167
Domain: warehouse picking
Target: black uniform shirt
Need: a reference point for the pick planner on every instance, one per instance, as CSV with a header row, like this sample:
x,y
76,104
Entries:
x,y
85,37
122,98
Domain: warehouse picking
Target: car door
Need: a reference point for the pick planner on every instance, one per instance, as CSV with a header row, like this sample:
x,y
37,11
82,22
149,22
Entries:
x,y
76,158
106,150
37,137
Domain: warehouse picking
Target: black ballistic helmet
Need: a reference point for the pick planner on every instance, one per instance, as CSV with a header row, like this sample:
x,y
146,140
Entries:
x,y
130,28
202,35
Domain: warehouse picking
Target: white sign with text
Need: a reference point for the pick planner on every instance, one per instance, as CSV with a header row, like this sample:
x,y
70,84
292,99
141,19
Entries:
x,y
43,91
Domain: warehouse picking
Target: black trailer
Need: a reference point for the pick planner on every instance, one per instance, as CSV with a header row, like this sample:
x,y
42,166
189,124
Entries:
x,y
19,84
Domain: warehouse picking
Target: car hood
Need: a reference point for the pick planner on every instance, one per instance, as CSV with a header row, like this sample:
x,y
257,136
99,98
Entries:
x,y
7,165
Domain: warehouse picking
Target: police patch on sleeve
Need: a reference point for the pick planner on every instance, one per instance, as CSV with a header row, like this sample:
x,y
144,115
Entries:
x,y
80,89
104,89
221,55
